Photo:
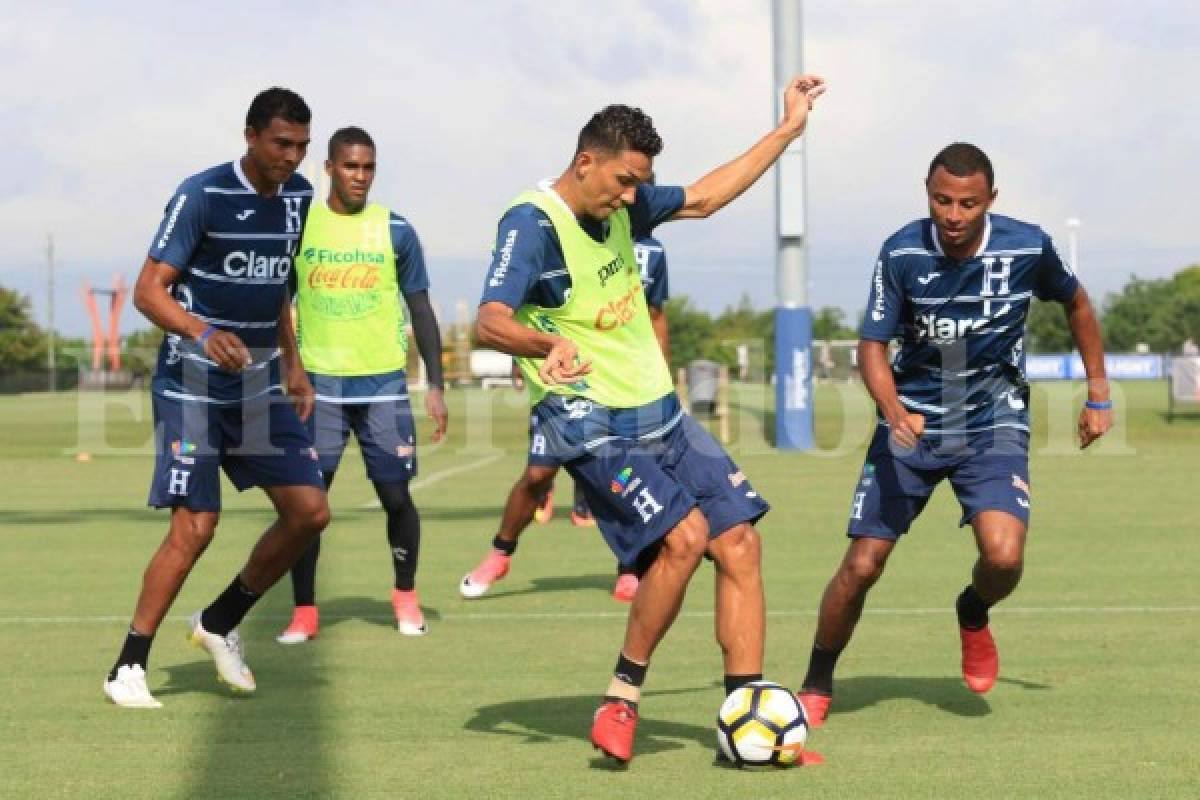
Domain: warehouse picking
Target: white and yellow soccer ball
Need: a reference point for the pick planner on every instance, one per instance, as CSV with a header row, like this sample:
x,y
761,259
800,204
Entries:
x,y
762,724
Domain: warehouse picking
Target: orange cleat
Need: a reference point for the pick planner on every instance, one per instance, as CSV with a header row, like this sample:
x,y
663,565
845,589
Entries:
x,y
816,707
303,626
613,729
476,582
545,512
409,619
626,588
980,660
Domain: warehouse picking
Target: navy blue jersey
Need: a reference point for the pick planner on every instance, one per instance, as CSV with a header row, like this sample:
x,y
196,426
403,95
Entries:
x,y
234,249
528,265
961,325
652,261
411,273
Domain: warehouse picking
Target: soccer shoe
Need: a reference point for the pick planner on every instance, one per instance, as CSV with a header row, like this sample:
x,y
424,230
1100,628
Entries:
x,y
226,652
613,728
545,512
303,626
476,582
626,588
128,689
980,660
409,619
816,707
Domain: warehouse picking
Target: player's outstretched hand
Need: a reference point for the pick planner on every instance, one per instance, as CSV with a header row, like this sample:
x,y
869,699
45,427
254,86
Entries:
x,y
562,364
907,430
798,98
1093,423
435,407
300,392
227,350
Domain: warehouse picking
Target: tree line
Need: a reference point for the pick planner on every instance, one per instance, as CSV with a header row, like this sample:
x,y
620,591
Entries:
x,y
1160,313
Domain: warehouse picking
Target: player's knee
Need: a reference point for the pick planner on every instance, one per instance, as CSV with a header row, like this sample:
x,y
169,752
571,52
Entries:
x,y
394,497
538,480
738,549
310,516
688,541
862,570
192,533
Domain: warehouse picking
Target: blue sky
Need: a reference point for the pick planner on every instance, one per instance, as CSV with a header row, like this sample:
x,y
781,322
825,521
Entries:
x,y
1087,109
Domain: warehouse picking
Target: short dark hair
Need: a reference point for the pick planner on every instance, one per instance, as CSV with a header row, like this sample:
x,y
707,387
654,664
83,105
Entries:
x,y
960,160
617,128
345,137
276,102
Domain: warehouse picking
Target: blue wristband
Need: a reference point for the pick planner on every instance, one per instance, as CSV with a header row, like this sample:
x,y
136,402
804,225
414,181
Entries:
x,y
202,338
1104,405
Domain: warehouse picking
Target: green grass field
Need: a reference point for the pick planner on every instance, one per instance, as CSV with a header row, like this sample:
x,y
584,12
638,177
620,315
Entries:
x,y
1099,692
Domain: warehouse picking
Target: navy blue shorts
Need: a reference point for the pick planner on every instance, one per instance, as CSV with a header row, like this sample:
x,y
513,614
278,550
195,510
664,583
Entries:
x,y
260,442
538,457
639,489
989,471
380,417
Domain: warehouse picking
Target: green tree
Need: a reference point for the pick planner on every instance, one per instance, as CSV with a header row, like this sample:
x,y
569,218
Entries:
x,y
691,332
1158,313
1046,329
22,342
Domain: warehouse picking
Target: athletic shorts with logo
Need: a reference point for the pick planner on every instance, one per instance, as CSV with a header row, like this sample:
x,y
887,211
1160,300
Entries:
x,y
258,442
644,469
376,409
988,470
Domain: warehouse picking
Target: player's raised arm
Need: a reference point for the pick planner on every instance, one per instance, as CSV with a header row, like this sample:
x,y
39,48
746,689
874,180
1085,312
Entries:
x,y
152,297
725,183
1096,417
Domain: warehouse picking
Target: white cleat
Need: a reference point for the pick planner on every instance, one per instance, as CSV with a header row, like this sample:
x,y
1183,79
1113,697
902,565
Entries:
x,y
226,652
128,689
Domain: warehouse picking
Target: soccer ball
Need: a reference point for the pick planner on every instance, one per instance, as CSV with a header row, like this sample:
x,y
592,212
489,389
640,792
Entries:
x,y
761,724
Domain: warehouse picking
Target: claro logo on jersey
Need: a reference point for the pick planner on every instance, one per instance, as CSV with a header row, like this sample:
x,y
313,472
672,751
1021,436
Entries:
x,y
931,326
616,313
506,252
239,264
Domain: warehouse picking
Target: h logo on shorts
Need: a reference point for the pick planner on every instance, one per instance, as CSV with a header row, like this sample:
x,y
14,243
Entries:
x,y
856,510
178,484
538,447
646,505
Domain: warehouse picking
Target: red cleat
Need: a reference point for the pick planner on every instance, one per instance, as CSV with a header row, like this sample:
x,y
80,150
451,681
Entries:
x,y
613,729
980,660
625,588
816,707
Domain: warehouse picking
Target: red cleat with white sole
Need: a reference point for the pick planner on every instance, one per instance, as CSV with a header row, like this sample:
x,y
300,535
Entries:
x,y
816,707
980,659
613,729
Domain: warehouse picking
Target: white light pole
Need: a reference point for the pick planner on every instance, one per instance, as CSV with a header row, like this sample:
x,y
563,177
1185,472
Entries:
x,y
1073,243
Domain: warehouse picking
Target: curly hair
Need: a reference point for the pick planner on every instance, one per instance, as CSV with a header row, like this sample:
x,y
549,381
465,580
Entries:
x,y
960,160
276,102
617,128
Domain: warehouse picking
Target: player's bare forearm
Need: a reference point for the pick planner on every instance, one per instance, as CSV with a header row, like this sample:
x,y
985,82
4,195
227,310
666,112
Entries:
x,y
727,182
877,377
658,319
286,338
1085,331
496,328
152,297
